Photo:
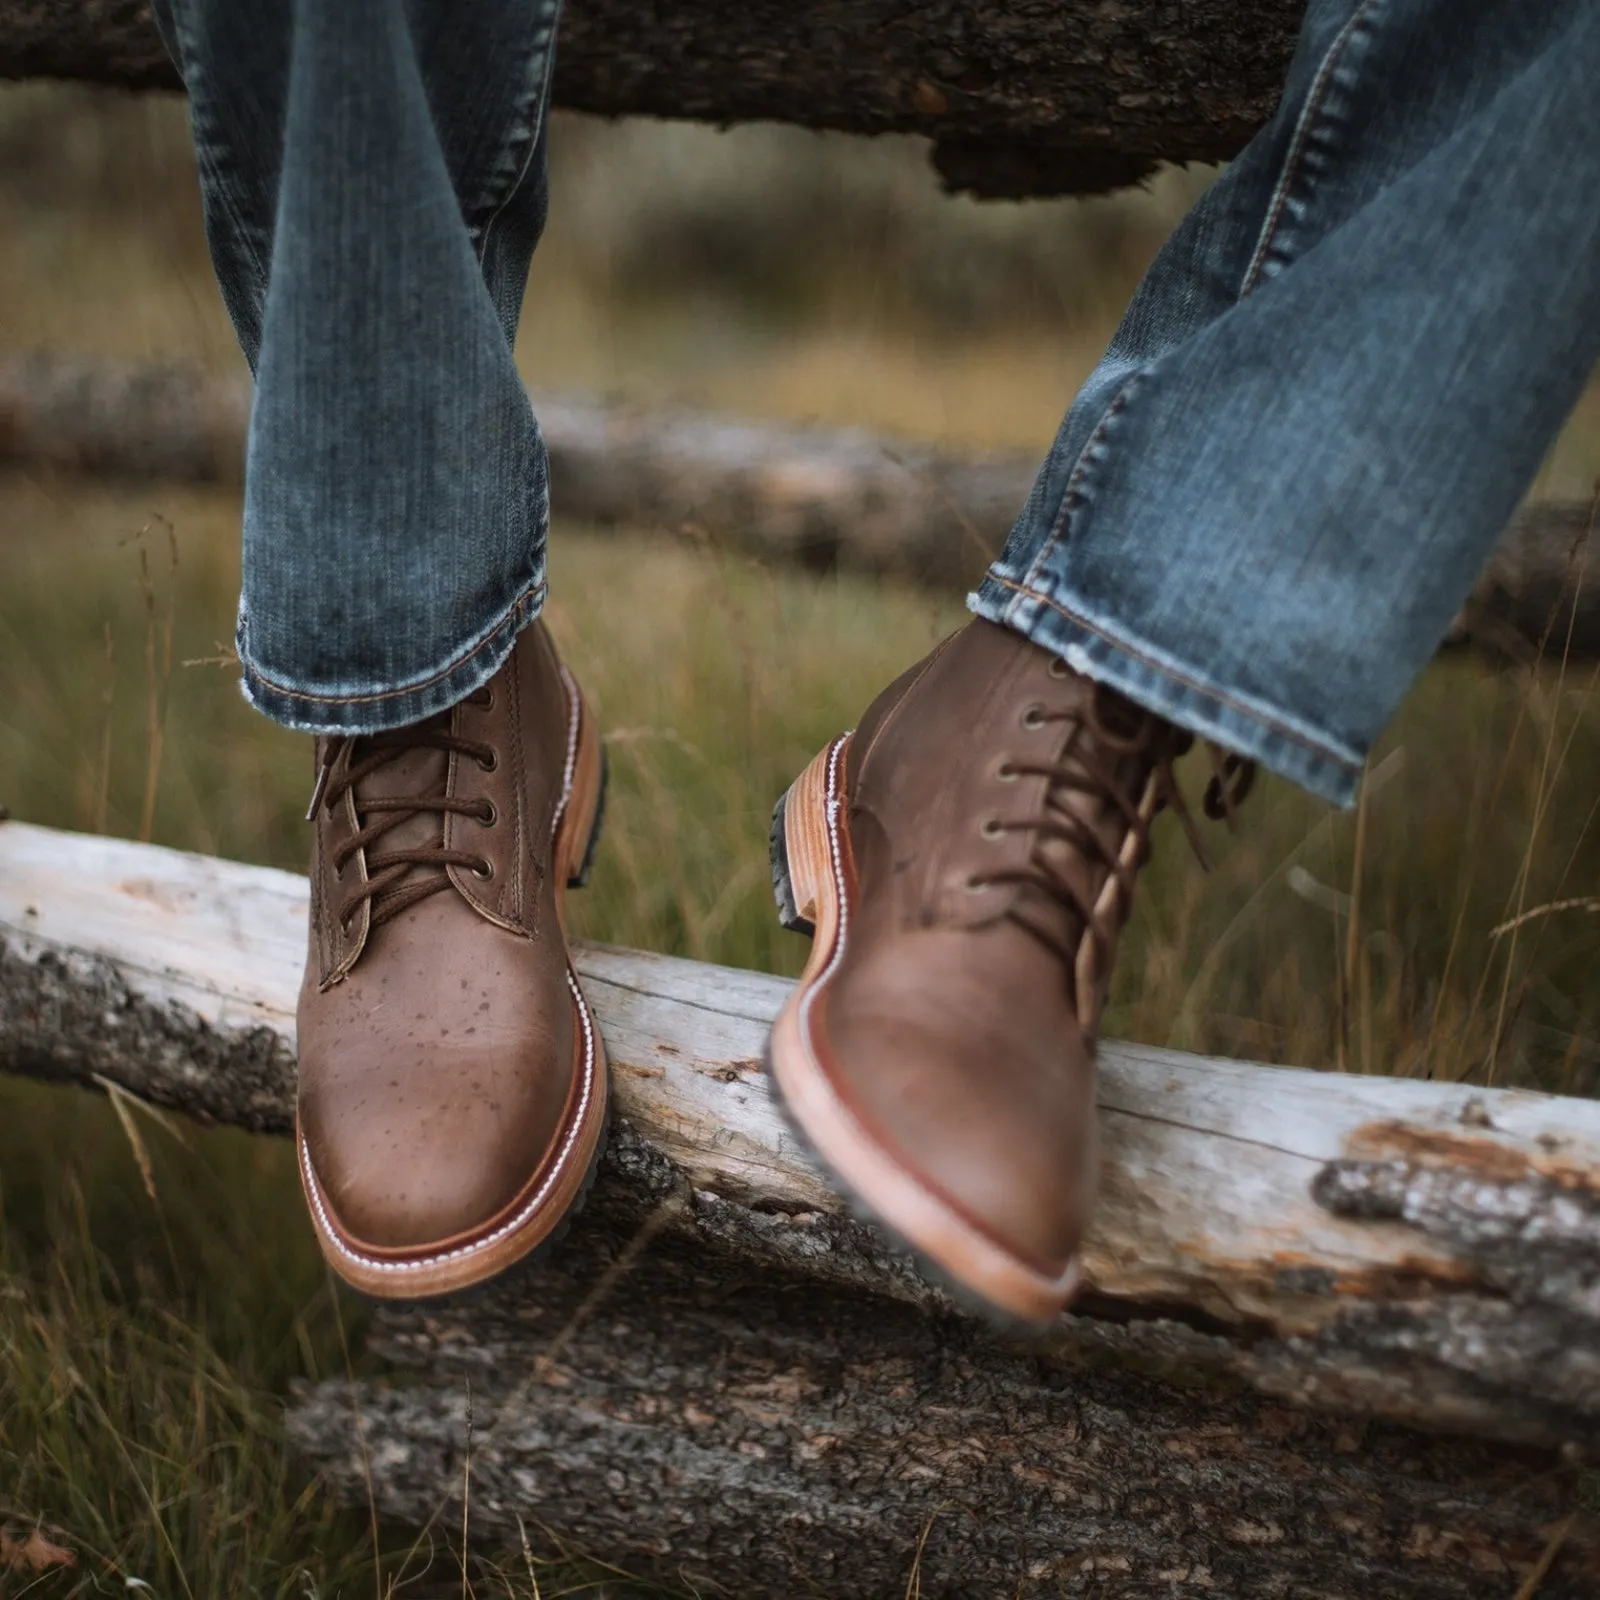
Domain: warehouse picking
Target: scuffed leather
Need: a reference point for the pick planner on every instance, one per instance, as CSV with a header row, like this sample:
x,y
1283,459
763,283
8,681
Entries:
x,y
950,1027
437,1048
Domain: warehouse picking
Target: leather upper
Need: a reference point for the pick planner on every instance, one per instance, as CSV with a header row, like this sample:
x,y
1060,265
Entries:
x,y
958,1025
436,1040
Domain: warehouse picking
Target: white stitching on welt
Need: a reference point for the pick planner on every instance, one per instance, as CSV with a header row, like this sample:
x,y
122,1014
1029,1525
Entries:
x,y
574,721
836,866
418,1263
835,809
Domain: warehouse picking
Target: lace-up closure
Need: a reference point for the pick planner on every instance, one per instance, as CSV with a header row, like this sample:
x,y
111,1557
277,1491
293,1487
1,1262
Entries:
x,y
1115,763
399,877
452,1087
965,861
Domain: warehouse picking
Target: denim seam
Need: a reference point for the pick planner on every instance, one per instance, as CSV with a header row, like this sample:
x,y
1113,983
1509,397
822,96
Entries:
x,y
1206,691
1071,497
1316,99
531,125
530,597
187,59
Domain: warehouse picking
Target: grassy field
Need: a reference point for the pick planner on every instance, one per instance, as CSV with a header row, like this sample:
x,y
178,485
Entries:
x,y
159,1293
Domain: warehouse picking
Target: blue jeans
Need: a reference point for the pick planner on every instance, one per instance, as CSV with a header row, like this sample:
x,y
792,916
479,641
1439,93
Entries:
x,y
1259,516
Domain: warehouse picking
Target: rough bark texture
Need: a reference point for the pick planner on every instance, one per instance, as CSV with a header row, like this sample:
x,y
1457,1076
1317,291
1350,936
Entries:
x,y
781,1440
723,1374
821,498
1021,97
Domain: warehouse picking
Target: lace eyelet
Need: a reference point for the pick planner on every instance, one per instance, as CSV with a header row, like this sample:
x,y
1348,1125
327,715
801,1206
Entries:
x,y
483,697
1059,669
487,814
976,885
484,871
1033,718
991,828
1006,773
493,763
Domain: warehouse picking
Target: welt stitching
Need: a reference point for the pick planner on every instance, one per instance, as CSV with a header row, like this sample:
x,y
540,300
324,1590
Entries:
x,y
1073,497
529,597
1315,100
1205,691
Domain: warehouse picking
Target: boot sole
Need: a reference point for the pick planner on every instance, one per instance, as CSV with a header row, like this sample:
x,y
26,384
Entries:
x,y
542,1213
814,884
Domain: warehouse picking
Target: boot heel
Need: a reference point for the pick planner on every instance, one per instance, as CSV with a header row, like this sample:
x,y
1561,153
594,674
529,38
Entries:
x,y
782,884
802,872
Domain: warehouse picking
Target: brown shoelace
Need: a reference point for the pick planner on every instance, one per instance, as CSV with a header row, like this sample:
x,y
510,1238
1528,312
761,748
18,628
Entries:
x,y
1083,768
387,868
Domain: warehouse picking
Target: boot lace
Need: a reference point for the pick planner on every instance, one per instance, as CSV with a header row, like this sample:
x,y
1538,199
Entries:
x,y
1107,733
399,877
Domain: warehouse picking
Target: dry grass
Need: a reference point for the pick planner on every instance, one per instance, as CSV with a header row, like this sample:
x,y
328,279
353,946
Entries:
x,y
147,1342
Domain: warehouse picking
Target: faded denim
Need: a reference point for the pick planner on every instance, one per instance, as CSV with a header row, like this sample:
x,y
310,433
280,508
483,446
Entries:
x,y
1333,386
1258,518
373,174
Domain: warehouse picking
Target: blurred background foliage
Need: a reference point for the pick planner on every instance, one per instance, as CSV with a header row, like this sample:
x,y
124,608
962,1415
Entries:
x,y
159,1288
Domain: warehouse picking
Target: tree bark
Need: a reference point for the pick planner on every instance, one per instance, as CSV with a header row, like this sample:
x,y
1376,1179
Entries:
x,y
1290,1275
776,1439
1019,98
817,497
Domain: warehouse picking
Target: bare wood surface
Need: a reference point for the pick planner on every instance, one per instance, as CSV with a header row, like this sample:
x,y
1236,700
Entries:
x,y
1020,97
1322,1230
821,498
767,1396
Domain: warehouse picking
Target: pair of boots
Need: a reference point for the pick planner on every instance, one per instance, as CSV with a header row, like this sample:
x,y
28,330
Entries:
x,y
964,861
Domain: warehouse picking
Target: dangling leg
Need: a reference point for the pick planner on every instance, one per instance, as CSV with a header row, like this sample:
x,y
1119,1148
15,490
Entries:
x,y
1256,524
373,173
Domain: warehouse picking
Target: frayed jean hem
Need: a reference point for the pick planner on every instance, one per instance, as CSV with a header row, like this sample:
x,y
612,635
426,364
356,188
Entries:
x,y
1175,690
362,709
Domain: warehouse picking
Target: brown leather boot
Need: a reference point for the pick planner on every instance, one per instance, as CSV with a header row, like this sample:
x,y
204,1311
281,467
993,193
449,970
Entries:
x,y
452,1080
966,859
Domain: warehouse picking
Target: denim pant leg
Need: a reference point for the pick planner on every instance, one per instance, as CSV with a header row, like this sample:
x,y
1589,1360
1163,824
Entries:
x,y
1333,386
374,186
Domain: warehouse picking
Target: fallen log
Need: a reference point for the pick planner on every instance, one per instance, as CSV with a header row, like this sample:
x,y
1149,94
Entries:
x,y
1341,1336
822,498
1029,97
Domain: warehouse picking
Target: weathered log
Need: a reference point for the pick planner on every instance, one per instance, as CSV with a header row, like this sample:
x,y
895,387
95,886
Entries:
x,y
823,498
768,1395
1025,97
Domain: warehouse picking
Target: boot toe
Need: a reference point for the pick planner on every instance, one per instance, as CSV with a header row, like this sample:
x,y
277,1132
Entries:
x,y
977,1101
402,1166
1025,1182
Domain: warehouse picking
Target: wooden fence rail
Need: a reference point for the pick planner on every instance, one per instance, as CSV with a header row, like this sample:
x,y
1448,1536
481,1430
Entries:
x,y
1020,97
818,497
1341,1336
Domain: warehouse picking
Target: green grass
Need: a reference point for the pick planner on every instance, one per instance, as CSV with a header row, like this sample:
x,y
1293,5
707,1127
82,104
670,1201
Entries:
x,y
716,679
147,1340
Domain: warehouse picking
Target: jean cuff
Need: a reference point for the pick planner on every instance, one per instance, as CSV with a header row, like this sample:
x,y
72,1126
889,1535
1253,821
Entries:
x,y
1173,689
361,709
